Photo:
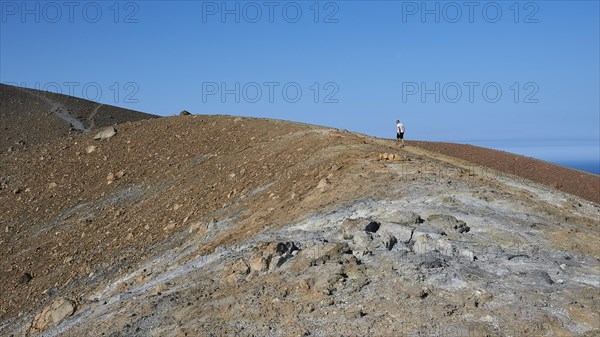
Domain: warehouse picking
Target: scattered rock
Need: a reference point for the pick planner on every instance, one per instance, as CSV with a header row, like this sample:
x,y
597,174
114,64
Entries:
x,y
362,232
426,228
184,113
387,240
322,253
543,276
448,221
483,297
53,314
110,178
410,219
389,156
363,245
25,278
462,227
3,183
90,148
258,263
419,292
354,312
468,254
240,267
352,226
158,290
444,247
372,227
323,183
271,255
235,272
399,231
169,227
106,133
442,219
423,243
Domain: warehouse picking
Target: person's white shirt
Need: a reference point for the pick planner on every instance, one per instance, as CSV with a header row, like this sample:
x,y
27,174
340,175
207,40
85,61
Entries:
x,y
400,127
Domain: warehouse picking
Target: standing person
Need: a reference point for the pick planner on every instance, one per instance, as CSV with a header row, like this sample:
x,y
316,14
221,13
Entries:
x,y
399,132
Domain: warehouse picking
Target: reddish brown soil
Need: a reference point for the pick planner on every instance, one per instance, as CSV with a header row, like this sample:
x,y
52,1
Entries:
x,y
579,183
197,163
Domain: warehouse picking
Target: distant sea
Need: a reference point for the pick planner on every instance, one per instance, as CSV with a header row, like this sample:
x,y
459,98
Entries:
x,y
583,155
588,166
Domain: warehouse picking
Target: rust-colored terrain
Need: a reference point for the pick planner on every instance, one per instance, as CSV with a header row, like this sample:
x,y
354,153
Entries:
x,y
583,184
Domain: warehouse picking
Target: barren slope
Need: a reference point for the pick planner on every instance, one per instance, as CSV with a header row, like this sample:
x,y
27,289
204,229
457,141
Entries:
x,y
30,117
583,184
205,225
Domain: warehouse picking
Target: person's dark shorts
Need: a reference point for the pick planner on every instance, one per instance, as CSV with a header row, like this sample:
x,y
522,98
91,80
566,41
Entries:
x,y
400,135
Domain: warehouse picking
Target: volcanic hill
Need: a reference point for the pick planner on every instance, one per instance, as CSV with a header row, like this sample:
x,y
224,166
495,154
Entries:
x,y
216,225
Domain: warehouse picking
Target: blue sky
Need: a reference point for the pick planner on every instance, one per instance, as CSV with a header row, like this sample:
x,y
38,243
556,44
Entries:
x,y
492,72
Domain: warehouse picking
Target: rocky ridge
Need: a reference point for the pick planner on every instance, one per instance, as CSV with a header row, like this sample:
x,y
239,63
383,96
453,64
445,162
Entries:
x,y
187,226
